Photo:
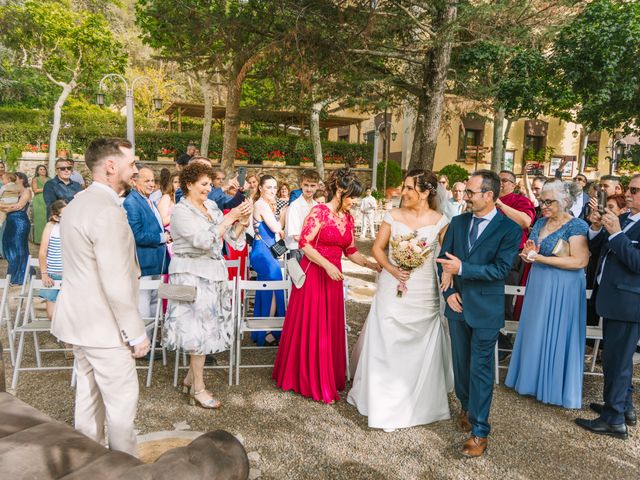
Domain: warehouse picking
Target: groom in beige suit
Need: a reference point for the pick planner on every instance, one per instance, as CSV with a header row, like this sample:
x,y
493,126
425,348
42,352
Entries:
x,y
97,309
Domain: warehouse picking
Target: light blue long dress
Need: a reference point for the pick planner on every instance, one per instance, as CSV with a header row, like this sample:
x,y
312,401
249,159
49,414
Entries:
x,y
548,356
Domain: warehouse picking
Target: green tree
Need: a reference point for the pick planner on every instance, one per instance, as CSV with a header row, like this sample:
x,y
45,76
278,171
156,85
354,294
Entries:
x,y
68,47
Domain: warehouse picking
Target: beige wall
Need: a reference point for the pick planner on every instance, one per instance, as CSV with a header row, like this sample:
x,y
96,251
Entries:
x,y
559,137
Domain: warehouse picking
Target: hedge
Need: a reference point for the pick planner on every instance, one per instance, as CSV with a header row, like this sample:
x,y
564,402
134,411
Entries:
x,y
15,135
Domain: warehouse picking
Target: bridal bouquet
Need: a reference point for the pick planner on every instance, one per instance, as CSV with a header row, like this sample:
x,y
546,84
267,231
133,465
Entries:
x,y
408,252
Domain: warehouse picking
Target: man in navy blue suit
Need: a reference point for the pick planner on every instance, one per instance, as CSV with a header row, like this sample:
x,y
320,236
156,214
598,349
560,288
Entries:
x,y
477,254
148,232
617,293
217,194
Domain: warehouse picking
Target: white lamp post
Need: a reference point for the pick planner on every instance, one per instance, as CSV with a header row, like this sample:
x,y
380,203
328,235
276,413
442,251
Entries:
x,y
129,102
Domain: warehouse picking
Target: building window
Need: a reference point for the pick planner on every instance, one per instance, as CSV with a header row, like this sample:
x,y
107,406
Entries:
x,y
469,141
370,137
343,138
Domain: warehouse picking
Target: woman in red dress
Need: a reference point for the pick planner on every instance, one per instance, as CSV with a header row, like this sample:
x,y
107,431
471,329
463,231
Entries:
x,y
311,356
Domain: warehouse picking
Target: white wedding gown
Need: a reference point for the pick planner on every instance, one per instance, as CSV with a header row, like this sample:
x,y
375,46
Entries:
x,y
404,370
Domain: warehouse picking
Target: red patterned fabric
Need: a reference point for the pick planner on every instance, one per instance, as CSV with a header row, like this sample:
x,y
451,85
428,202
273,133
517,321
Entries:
x,y
311,356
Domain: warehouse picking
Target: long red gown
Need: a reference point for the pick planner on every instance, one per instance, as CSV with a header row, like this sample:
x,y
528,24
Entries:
x,y
311,357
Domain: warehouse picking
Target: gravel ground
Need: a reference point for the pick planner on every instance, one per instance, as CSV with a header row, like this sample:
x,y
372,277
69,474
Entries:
x,y
292,437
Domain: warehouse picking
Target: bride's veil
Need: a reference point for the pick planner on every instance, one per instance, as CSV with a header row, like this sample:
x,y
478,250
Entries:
x,y
441,198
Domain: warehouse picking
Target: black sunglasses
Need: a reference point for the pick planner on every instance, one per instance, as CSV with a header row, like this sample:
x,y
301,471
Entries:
x,y
65,168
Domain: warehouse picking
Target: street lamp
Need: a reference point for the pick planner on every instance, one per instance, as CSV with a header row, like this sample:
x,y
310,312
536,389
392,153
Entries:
x,y
129,103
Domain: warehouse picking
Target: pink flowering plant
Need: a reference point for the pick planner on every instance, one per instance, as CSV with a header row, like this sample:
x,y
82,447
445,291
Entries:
x,y
408,252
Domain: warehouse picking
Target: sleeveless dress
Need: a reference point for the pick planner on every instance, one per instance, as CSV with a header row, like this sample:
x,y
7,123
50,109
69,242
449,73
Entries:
x,y
404,370
548,356
39,212
266,268
311,357
54,262
15,243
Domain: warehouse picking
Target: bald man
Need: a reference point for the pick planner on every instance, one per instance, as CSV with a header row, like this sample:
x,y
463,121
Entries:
x,y
149,234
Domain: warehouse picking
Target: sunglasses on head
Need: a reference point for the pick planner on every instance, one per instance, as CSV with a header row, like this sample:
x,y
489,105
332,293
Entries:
x,y
634,190
65,168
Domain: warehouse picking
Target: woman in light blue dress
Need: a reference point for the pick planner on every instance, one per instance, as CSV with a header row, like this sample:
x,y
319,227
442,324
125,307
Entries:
x,y
548,356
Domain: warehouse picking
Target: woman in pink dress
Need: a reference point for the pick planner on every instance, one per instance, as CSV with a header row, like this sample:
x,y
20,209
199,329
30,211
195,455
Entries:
x,y
311,357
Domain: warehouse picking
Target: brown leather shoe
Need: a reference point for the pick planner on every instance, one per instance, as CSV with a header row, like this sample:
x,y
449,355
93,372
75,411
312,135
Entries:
x,y
474,447
463,421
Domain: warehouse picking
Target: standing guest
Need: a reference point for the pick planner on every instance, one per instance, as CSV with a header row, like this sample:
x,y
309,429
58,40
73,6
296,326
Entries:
x,y
533,187
217,193
157,193
199,229
581,180
252,185
268,230
456,205
50,255
518,208
478,251
444,181
617,204
617,295
60,187
168,200
39,207
554,311
96,310
15,240
76,176
611,185
320,196
311,356
150,237
282,199
3,170
9,194
298,211
368,206
184,159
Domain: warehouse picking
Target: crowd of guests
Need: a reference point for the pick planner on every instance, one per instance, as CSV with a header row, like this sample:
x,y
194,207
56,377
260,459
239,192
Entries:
x,y
188,223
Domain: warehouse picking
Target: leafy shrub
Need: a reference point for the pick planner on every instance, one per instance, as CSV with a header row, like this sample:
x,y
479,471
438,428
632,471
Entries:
x,y
394,175
455,173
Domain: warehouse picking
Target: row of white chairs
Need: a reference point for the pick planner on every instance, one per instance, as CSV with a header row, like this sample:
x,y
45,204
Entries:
x,y
27,323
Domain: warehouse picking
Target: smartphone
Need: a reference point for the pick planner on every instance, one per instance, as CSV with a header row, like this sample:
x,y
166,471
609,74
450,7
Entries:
x,y
242,176
602,201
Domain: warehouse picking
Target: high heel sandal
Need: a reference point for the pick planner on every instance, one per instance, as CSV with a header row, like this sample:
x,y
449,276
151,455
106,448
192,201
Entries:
x,y
210,403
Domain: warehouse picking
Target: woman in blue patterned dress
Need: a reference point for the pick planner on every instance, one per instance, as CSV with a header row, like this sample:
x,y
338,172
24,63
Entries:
x,y
548,357
15,240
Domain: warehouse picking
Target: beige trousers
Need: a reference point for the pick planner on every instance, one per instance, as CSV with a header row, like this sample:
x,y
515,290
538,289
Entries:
x,y
107,389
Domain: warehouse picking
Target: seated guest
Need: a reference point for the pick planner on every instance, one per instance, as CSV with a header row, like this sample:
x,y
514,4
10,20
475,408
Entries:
x,y
299,209
548,356
617,298
617,204
60,187
199,229
150,237
50,255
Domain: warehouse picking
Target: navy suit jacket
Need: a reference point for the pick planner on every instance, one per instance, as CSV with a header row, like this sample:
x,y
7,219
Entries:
x,y
484,268
223,200
618,293
147,233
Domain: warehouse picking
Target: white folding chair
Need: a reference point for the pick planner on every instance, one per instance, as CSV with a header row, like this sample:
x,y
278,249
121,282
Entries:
x,y
5,314
347,328
153,324
246,323
29,323
31,269
510,327
185,366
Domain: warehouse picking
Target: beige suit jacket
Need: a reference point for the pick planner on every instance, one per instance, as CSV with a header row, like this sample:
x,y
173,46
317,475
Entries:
x,y
98,301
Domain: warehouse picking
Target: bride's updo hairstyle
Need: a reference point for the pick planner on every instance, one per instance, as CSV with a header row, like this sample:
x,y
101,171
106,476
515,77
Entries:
x,y
346,181
425,180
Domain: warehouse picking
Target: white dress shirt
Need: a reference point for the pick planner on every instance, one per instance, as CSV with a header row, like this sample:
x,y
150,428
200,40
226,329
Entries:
x,y
481,226
297,212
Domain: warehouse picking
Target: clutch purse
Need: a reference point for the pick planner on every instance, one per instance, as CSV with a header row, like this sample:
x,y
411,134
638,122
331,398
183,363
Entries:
x,y
561,249
278,249
177,293
297,275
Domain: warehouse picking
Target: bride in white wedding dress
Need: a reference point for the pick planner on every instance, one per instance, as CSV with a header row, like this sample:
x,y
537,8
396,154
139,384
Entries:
x,y
404,370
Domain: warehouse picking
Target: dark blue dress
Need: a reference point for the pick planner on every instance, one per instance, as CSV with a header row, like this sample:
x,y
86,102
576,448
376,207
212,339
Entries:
x,y
15,243
267,268
548,356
